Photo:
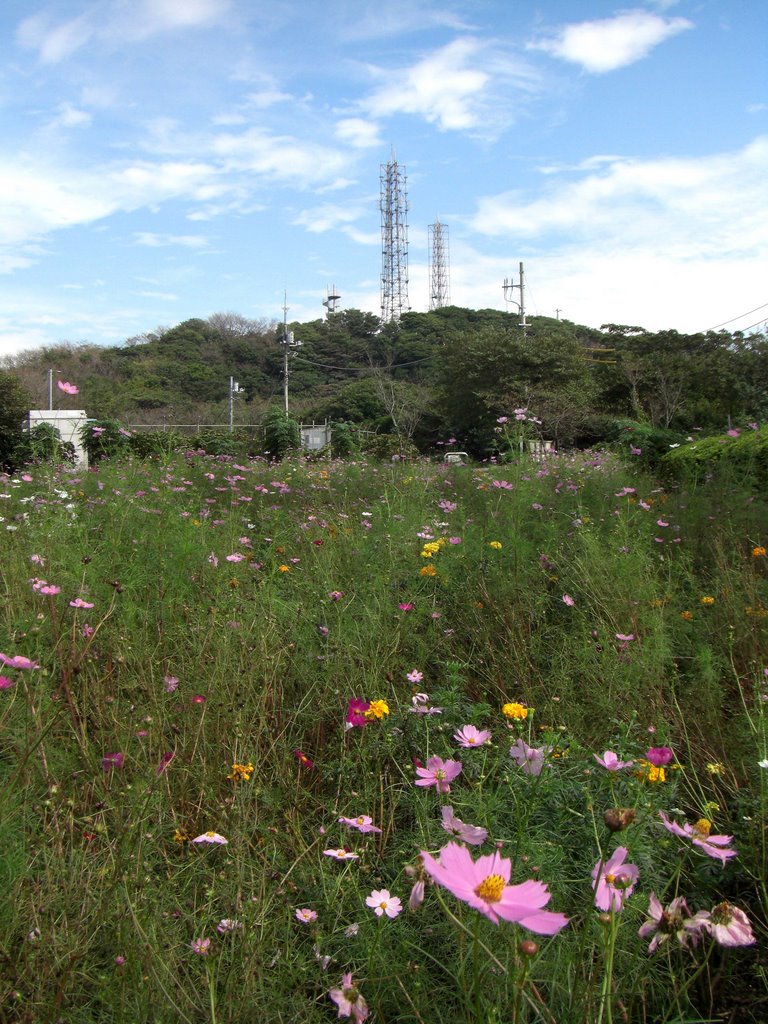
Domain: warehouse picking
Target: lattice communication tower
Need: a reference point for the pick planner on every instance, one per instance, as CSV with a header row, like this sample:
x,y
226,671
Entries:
x,y
439,266
394,241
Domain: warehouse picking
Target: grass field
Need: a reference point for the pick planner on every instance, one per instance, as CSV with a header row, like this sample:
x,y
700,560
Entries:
x,y
203,651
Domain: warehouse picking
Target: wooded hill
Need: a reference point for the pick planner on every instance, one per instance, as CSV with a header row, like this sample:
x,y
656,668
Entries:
x,y
431,375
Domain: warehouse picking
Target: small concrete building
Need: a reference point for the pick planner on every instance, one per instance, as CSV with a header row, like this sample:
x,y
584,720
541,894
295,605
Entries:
x,y
68,422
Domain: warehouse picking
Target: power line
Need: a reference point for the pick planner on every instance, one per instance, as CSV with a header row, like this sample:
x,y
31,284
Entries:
x,y
749,311
362,369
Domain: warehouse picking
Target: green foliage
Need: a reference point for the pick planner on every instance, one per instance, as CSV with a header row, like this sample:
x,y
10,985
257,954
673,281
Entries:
x,y
388,447
345,440
105,439
43,444
746,454
222,442
642,443
157,444
281,435
14,407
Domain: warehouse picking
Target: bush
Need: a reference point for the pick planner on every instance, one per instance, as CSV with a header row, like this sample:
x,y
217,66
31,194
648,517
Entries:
x,y
105,439
387,446
281,435
747,453
345,439
43,444
645,446
149,444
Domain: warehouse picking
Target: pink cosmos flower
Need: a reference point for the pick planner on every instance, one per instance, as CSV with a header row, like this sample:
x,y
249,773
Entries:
x,y
80,603
699,835
611,761
18,661
229,924
613,880
415,676
349,1000
729,926
49,589
382,903
469,736
171,684
5,683
201,946
483,884
110,761
567,599
305,915
530,759
438,773
211,837
356,712
304,760
67,388
473,835
406,606
362,823
341,854
421,705
659,756
674,919
336,595
236,557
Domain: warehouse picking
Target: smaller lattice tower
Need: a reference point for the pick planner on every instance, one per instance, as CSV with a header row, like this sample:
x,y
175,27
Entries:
x,y
394,241
439,266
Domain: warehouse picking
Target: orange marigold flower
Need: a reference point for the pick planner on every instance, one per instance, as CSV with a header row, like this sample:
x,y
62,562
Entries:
x,y
283,568
707,600
686,615
428,570
759,552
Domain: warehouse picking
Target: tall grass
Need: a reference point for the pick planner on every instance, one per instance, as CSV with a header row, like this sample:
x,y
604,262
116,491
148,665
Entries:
x,y
103,891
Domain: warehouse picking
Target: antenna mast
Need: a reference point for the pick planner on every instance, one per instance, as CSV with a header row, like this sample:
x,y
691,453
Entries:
x,y
393,204
439,266
508,289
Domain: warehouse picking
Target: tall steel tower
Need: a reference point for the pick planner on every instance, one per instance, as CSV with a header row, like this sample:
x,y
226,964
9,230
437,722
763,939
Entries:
x,y
394,241
439,266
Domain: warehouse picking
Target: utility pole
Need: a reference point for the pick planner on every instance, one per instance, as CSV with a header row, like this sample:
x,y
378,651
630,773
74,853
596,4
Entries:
x,y
508,288
289,344
558,312
234,389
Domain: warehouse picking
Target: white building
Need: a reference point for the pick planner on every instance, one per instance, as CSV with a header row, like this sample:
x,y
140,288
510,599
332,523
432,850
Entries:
x,y
68,422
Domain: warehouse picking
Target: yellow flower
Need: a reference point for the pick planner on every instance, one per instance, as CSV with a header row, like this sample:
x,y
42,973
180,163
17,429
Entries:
x,y
715,768
759,552
707,600
686,615
283,568
431,548
517,712
496,545
428,570
377,709
180,836
241,772
651,772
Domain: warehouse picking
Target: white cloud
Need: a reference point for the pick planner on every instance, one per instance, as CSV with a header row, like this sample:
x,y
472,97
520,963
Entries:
x,y
358,132
55,43
327,217
443,88
611,43
68,116
156,241
282,159
696,207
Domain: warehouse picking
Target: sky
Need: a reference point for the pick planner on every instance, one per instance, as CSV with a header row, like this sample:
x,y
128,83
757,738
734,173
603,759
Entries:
x,y
169,159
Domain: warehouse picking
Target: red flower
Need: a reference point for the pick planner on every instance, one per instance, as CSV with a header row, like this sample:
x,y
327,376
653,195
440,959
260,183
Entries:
x,y
304,761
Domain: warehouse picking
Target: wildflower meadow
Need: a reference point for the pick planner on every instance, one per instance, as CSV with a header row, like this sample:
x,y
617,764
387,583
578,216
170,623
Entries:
x,y
408,741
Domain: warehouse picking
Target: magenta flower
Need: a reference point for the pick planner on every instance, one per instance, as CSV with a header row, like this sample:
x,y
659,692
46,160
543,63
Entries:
x,y
659,756
362,823
67,388
473,835
530,759
406,606
336,595
349,1000
110,761
5,683
699,835
438,773
49,589
201,946
18,661
165,760
382,903
729,926
356,712
483,884
611,761
613,880
469,736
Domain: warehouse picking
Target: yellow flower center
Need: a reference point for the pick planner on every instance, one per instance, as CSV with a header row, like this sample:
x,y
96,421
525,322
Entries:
x,y
491,888
360,820
383,904
702,828
439,774
210,834
610,879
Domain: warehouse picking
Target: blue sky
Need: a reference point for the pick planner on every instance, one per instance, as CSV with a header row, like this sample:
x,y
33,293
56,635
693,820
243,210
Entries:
x,y
164,159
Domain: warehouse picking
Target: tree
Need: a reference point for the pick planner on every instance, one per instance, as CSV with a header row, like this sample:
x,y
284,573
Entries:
x,y
14,408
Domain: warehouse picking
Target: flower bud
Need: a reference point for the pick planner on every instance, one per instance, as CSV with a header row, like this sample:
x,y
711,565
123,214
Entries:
x,y
619,818
528,947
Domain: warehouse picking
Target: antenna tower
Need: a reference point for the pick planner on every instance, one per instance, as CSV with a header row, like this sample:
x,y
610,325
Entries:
x,y
394,241
332,301
439,266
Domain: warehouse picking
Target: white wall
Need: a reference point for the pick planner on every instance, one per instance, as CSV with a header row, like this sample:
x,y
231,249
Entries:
x,y
68,422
